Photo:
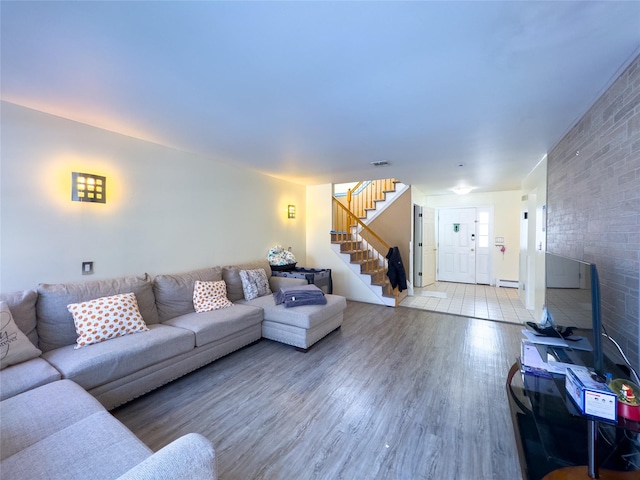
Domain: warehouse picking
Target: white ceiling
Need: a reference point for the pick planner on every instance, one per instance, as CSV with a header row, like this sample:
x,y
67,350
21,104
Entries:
x,y
314,92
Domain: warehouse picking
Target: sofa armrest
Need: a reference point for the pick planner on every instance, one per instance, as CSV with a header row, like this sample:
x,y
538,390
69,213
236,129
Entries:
x,y
190,457
276,283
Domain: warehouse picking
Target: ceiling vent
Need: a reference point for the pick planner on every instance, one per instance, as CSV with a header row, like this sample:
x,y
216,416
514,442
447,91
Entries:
x,y
382,163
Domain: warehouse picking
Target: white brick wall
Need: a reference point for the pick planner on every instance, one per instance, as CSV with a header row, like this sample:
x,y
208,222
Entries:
x,y
594,203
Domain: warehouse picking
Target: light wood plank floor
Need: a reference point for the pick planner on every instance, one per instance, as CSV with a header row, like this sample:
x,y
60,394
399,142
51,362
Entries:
x,y
395,394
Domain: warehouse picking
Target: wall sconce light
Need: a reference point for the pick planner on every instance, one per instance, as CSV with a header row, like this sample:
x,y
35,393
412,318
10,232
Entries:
x,y
291,211
86,187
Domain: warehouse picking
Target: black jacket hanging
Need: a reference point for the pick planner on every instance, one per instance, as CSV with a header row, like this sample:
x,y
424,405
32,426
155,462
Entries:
x,y
395,272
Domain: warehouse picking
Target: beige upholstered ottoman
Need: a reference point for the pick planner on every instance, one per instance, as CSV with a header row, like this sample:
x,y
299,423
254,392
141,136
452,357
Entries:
x,y
300,326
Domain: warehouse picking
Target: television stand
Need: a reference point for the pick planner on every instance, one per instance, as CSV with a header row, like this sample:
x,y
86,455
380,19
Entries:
x,y
552,436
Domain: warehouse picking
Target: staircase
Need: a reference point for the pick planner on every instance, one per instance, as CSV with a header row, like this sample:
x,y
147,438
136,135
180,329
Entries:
x,y
369,199
362,249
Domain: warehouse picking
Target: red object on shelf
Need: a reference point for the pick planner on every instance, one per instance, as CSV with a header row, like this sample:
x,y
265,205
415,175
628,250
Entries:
x,y
628,395
631,412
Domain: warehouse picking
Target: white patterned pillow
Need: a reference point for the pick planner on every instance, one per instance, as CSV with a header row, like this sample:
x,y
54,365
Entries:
x,y
209,296
254,283
107,317
15,347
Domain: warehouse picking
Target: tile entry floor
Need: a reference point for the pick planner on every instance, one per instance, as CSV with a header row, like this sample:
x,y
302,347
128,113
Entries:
x,y
479,301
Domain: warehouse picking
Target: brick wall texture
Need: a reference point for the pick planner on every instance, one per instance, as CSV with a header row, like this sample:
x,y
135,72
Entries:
x,y
593,203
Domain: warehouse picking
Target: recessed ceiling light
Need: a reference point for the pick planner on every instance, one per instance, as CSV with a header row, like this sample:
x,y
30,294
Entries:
x,y
462,190
381,163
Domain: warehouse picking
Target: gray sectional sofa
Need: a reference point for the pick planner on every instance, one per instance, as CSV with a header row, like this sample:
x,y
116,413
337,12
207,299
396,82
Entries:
x,y
58,430
53,408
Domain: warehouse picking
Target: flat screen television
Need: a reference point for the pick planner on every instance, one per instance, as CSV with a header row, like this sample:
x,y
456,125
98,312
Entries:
x,y
572,299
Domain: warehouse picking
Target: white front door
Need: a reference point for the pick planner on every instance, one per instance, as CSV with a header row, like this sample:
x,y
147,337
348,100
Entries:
x,y
457,245
465,244
428,246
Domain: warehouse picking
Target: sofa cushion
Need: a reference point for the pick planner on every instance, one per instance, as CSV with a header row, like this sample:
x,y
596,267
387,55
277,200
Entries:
x,y
217,324
254,283
15,347
105,318
98,447
33,415
23,308
208,296
55,323
174,293
25,376
104,362
231,276
306,316
190,457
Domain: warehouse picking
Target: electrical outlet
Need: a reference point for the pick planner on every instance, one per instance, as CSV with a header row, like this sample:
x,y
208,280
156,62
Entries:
x,y
87,268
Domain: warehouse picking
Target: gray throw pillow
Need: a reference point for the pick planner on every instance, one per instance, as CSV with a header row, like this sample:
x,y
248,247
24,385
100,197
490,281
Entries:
x,y
15,347
254,283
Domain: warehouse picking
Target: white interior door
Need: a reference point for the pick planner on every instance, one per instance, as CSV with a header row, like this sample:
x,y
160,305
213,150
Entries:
x,y
429,248
417,246
457,245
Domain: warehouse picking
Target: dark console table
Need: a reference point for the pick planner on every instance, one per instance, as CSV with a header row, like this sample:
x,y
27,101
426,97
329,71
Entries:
x,y
551,434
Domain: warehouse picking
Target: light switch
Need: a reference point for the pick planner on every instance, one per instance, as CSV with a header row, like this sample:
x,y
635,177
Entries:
x,y
87,268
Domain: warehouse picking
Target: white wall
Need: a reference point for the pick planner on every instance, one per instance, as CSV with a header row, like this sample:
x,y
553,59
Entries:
x,y
506,215
319,252
533,241
167,211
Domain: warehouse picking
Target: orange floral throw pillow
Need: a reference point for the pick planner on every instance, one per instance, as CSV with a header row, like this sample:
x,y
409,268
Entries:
x,y
107,317
209,296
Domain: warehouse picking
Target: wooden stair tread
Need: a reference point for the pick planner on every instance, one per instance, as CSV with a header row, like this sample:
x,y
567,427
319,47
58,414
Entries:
x,y
363,260
375,272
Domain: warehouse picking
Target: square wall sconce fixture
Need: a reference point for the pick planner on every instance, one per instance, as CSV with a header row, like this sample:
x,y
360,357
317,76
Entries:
x,y
291,211
86,187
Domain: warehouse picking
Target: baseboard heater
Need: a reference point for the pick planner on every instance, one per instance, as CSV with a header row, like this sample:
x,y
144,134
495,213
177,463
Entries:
x,y
507,283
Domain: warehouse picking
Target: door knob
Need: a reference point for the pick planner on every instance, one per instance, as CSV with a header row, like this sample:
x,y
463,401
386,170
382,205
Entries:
x,y
473,249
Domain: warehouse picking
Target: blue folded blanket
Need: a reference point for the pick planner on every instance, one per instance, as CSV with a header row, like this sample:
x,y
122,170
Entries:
x,y
300,295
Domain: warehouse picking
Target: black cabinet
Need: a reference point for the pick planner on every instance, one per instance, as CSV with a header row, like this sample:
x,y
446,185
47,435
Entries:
x,y
320,277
